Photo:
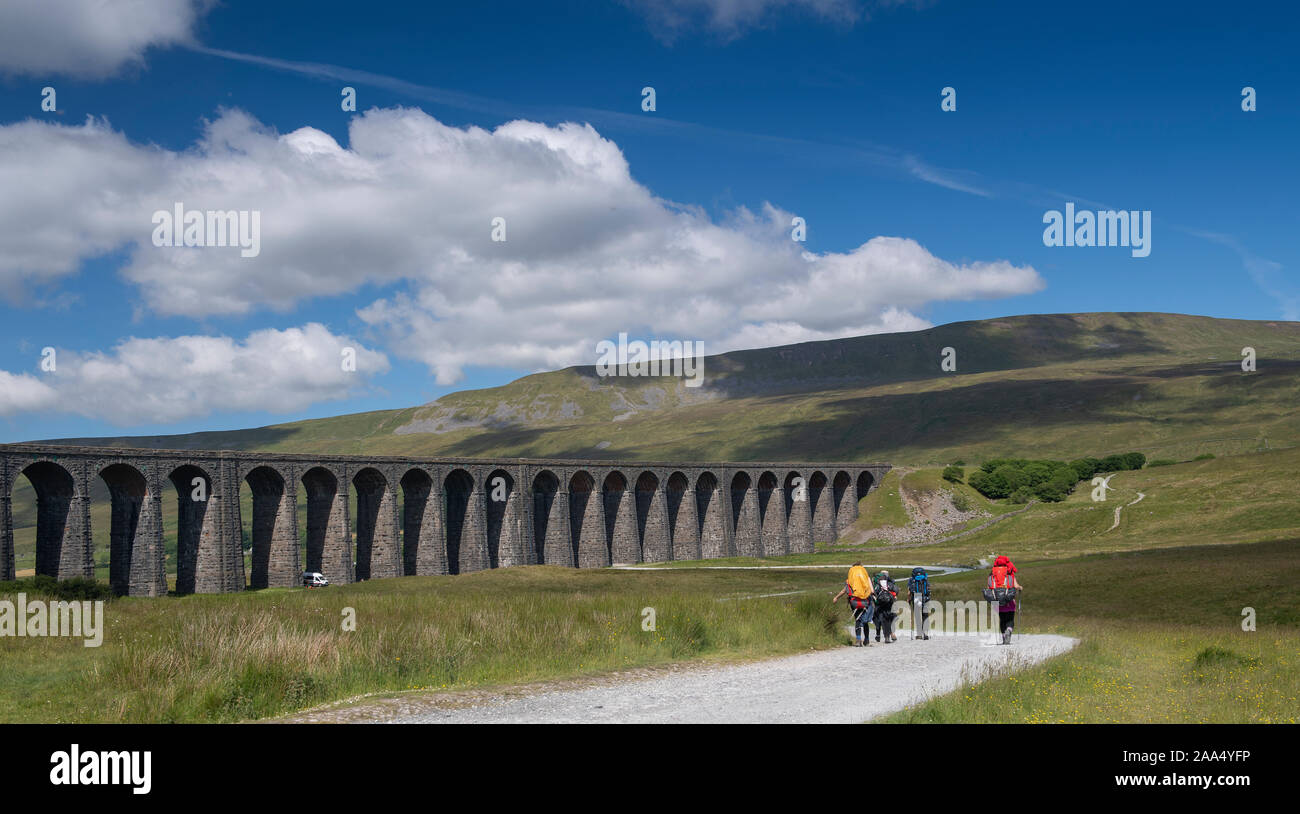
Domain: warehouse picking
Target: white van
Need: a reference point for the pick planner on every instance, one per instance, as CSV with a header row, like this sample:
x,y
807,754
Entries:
x,y
314,579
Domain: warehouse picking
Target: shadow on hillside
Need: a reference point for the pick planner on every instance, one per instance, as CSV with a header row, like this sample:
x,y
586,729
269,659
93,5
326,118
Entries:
x,y
855,427
859,427
1230,374
866,361
261,438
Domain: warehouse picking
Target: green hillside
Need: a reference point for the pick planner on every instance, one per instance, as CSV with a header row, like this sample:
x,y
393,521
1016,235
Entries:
x,y
1237,499
1168,385
1251,497
1036,386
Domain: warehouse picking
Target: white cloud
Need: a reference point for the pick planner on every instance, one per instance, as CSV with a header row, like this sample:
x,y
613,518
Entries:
x,y
170,379
410,201
90,38
24,393
66,194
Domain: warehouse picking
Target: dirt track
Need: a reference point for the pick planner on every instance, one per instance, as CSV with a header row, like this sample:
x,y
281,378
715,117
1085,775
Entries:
x,y
841,685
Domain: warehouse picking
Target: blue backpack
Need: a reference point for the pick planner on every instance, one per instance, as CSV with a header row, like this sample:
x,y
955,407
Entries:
x,y
919,584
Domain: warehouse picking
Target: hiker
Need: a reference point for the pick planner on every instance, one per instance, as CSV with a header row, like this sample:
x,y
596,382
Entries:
x,y
858,588
918,594
884,593
1002,577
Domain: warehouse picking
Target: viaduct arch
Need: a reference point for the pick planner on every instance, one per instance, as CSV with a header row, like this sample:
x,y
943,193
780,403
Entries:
x,y
414,516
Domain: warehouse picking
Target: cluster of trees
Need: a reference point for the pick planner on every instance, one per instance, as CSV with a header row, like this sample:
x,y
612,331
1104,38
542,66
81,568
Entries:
x,y
1021,479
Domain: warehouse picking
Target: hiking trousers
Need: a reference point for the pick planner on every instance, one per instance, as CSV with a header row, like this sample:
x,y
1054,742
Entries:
x,y
861,618
884,623
1006,619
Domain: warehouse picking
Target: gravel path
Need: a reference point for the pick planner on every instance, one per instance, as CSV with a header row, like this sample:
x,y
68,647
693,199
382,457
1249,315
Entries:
x,y
1119,509
843,685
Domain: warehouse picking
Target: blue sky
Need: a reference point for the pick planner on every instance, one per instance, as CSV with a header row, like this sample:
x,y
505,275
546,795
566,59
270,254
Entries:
x,y
672,223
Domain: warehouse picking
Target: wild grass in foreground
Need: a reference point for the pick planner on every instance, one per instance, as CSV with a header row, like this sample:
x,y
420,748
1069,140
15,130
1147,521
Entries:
x,y
259,654
1162,640
1140,674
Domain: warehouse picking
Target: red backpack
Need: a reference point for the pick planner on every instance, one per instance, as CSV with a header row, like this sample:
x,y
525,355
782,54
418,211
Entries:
x,y
1000,589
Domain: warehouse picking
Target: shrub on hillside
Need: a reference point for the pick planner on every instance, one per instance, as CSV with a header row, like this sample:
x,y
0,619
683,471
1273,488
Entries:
x,y
1000,482
1085,468
1022,479
1012,475
1123,463
983,483
954,473
990,466
1161,462
1207,456
1058,488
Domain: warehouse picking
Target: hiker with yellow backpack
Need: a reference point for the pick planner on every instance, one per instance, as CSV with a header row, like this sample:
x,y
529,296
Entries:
x,y
1004,589
858,588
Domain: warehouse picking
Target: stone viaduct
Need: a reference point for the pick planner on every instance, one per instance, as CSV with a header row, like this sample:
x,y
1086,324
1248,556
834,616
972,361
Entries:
x,y
414,515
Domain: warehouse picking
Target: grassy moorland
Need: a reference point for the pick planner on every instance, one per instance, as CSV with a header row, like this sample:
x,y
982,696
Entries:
x,y
263,653
1162,640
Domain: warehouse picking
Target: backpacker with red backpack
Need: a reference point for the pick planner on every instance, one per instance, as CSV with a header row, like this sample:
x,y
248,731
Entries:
x,y
1001,578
